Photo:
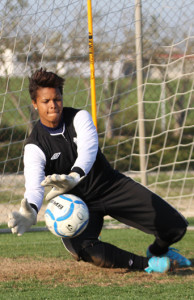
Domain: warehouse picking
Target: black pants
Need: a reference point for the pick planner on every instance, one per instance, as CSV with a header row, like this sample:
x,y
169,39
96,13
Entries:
x,y
132,204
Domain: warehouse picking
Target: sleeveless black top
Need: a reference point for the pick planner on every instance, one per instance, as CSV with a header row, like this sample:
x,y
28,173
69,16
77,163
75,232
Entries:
x,y
101,175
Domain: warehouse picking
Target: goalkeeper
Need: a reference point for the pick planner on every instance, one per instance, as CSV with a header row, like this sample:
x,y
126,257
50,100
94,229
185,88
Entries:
x,y
62,152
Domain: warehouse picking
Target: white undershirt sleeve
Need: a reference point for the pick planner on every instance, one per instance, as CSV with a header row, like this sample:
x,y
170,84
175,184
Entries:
x,y
35,160
34,164
87,141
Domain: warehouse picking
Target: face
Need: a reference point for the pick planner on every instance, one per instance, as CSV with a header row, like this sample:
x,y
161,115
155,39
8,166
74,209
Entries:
x,y
49,104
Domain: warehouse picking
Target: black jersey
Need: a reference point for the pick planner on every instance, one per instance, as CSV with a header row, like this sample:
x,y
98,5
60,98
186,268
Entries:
x,y
101,175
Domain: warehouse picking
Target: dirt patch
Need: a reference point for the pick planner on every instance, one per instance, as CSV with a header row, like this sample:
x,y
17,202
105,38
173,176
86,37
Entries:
x,y
72,273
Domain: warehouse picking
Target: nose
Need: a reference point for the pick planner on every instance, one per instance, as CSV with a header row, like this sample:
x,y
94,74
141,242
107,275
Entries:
x,y
52,104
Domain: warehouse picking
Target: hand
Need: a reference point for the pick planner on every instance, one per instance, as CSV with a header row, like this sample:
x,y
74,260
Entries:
x,y
21,221
61,183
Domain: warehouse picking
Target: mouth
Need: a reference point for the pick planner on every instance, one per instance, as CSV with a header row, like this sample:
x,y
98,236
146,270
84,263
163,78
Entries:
x,y
53,113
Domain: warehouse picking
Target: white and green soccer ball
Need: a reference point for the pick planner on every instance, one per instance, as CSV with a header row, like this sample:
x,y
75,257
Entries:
x,y
66,216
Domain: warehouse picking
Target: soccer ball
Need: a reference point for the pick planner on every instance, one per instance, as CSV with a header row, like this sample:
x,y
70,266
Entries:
x,y
66,216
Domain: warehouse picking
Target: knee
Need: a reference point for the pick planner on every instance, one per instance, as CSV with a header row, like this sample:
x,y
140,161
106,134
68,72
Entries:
x,y
178,233
179,229
94,253
71,248
173,234
91,251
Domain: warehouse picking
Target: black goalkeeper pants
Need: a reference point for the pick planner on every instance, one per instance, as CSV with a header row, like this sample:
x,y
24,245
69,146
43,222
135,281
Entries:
x,y
132,204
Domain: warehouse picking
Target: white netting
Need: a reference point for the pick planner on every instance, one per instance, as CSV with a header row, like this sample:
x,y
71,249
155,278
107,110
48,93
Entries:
x,y
54,34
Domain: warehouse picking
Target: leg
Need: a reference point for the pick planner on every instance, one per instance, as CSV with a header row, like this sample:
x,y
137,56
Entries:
x,y
135,205
89,248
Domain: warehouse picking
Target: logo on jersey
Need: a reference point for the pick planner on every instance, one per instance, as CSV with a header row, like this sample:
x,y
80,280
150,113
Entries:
x,y
55,155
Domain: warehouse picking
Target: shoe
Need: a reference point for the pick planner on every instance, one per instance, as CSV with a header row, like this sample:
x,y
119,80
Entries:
x,y
174,256
158,264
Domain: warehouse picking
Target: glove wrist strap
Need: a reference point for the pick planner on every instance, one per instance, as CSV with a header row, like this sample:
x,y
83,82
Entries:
x,y
78,170
34,207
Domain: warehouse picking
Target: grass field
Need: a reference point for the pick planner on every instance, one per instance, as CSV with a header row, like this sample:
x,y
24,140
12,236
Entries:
x,y
36,266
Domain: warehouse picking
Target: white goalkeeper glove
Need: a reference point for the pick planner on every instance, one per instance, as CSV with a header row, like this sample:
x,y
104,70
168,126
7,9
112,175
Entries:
x,y
61,183
21,221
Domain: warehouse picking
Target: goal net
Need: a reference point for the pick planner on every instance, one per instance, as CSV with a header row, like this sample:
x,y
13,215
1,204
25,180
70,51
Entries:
x,y
54,35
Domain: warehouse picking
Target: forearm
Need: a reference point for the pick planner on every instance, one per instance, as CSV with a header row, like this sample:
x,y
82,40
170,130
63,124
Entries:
x,y
34,196
34,164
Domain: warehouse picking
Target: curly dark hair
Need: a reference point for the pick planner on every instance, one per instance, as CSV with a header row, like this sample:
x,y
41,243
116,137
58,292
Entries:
x,y
41,78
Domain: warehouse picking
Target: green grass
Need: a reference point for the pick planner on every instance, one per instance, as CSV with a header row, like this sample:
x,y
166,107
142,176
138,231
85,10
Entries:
x,y
43,246
38,291
191,221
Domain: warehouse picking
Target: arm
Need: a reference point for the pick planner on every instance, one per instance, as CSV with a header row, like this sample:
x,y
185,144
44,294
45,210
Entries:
x,y
34,161
87,141
34,164
87,148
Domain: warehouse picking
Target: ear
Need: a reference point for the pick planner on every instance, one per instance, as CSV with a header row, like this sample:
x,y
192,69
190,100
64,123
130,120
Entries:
x,y
34,104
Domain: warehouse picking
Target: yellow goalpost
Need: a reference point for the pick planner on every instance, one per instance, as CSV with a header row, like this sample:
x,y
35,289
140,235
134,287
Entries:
x,y
92,68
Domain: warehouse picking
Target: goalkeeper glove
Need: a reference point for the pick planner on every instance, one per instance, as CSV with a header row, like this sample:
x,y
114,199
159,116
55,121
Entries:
x,y
21,221
61,183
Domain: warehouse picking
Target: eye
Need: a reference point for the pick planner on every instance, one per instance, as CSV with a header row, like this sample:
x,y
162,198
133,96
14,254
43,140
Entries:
x,y
45,100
